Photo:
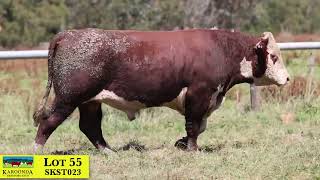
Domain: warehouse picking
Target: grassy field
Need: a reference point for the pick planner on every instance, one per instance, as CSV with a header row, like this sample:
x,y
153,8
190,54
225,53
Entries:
x,y
20,166
281,141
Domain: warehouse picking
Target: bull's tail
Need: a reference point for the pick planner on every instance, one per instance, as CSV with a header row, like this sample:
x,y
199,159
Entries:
x,y
42,113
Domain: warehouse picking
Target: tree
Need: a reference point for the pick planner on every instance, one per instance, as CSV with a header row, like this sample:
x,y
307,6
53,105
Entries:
x,y
29,22
223,14
287,15
125,14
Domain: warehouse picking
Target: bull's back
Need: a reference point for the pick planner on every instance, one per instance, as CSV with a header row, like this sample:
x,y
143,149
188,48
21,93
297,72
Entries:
x,y
153,68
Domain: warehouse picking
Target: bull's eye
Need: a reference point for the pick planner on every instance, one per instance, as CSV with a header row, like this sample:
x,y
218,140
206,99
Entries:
x,y
274,58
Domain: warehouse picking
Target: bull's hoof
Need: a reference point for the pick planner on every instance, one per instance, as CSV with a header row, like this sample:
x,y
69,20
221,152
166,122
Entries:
x,y
182,143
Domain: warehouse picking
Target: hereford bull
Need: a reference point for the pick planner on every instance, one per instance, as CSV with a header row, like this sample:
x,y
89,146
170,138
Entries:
x,y
189,71
14,163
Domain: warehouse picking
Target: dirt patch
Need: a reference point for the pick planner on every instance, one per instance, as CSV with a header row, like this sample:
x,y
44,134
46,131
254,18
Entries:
x,y
288,118
133,144
212,148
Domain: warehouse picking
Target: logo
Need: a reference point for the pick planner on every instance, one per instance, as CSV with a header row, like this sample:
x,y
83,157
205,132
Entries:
x,y
17,166
17,162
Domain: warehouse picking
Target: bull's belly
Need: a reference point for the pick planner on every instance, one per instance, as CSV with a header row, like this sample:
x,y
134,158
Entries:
x,y
132,107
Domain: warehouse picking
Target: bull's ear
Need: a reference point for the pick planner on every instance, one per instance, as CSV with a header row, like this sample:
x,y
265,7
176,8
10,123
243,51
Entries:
x,y
260,63
263,43
268,35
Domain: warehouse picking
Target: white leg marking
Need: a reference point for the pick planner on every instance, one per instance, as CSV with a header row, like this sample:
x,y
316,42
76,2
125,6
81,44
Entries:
x,y
38,148
178,103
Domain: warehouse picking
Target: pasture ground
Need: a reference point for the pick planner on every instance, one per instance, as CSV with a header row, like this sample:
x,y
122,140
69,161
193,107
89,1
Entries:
x,y
281,141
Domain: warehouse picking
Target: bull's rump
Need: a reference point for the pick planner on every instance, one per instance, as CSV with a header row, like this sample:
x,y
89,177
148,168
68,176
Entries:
x,y
148,67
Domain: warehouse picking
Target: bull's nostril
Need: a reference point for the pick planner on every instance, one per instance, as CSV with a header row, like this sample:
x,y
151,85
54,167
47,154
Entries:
x,y
288,79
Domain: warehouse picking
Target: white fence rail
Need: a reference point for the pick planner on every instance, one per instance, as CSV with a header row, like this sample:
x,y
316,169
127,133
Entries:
x,y
299,45
40,54
31,54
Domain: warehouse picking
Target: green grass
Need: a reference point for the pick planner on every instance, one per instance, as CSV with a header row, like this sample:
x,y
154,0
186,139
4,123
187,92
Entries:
x,y
20,166
238,143
298,63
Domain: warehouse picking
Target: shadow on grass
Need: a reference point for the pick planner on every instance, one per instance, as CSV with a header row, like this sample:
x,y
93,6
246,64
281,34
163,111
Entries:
x,y
236,145
138,146
131,145
73,151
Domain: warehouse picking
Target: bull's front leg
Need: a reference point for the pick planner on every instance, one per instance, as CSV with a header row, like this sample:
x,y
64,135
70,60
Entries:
x,y
183,142
196,108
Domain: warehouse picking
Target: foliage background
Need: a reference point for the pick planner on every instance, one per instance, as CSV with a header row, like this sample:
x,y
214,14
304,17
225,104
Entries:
x,y
28,22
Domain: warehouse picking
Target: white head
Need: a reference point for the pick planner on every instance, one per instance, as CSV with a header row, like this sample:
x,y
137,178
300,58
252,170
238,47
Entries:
x,y
271,68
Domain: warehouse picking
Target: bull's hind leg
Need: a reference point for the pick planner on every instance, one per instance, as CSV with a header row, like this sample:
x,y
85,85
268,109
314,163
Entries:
x,y
90,124
59,112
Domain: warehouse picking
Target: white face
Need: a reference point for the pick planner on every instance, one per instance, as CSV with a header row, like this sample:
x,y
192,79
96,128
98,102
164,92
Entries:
x,y
276,73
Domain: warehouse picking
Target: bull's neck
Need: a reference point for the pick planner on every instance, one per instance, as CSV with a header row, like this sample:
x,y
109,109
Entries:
x,y
246,52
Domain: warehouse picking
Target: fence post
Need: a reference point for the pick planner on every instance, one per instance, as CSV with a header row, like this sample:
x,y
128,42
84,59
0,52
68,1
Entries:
x,y
255,97
311,65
